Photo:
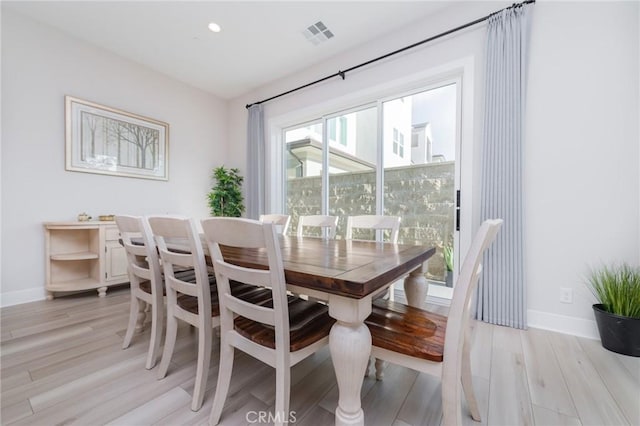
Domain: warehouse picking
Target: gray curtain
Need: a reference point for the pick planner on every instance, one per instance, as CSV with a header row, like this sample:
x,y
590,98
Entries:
x,y
255,179
502,290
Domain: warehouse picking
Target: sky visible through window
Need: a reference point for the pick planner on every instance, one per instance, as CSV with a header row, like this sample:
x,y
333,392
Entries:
x,y
438,107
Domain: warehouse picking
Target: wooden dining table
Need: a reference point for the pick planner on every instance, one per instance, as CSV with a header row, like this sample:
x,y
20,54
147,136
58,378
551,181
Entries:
x,y
345,274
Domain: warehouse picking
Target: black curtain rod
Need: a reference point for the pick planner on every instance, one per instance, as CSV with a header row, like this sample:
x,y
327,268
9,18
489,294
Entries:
x,y
342,74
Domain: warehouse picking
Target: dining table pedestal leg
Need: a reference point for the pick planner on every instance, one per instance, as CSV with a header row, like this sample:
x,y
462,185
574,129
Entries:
x,y
416,287
350,345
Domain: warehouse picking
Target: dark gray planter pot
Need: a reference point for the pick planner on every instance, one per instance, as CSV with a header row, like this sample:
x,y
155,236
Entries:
x,y
618,334
448,279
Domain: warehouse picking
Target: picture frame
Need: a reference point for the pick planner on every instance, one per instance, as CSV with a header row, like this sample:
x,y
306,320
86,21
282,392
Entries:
x,y
104,140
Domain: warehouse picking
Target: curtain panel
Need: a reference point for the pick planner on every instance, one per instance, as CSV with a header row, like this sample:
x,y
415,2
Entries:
x,y
501,295
255,179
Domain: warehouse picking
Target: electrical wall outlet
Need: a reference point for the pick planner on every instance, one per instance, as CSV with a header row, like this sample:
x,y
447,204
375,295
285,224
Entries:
x,y
566,295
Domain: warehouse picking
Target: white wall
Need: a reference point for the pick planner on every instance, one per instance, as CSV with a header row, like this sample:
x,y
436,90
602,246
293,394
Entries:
x,y
41,65
582,170
582,184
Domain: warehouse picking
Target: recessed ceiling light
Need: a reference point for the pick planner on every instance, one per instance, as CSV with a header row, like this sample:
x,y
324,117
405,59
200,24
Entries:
x,y
214,27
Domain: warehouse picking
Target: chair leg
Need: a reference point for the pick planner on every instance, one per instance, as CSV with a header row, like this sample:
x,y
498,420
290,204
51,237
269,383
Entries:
x,y
202,371
283,393
157,320
467,382
380,366
451,407
169,345
142,315
224,379
133,315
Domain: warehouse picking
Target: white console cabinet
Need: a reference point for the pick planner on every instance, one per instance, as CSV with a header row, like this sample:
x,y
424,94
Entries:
x,y
83,256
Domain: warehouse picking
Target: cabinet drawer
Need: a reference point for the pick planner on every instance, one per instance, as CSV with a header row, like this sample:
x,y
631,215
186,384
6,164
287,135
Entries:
x,y
112,234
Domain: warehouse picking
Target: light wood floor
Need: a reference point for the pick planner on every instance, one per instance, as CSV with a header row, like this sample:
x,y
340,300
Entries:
x,y
62,363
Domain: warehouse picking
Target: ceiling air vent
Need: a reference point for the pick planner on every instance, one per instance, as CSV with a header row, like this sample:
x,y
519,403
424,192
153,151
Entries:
x,y
317,33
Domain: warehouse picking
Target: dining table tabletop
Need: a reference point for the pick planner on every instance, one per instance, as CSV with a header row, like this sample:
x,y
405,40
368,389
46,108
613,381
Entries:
x,y
349,268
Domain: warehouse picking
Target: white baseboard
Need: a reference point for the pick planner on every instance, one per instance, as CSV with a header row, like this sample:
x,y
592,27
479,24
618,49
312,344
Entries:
x,y
441,301
537,319
11,298
563,324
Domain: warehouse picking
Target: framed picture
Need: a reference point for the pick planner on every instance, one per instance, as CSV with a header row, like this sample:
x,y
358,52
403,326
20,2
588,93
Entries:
x,y
108,141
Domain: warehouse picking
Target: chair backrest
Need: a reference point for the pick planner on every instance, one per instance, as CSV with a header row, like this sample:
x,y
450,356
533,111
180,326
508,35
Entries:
x,y
376,222
458,319
280,220
142,256
173,232
249,234
328,223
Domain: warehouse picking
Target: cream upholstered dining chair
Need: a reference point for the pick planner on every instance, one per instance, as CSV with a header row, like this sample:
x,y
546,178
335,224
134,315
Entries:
x,y
280,220
375,222
187,300
431,343
327,225
193,300
280,333
147,283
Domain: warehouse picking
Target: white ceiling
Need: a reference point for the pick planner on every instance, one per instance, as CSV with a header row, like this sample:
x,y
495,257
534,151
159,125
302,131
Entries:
x,y
261,41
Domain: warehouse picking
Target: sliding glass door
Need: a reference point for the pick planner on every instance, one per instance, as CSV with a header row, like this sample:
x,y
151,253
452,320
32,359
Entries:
x,y
397,156
419,150
303,171
352,165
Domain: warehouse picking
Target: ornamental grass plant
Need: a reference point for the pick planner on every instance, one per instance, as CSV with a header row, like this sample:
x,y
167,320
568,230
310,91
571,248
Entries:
x,y
617,288
447,253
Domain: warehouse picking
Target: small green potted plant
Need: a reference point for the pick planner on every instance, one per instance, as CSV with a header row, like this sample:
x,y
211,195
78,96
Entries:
x,y
225,198
447,253
617,288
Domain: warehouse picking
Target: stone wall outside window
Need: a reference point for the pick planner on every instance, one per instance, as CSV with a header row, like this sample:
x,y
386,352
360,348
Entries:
x,y
422,195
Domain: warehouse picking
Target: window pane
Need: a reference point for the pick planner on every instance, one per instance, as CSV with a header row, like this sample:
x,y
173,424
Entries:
x,y
343,131
419,180
304,168
352,166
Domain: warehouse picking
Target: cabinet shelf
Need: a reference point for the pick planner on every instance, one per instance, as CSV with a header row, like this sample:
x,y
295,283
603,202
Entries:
x,y
84,255
73,285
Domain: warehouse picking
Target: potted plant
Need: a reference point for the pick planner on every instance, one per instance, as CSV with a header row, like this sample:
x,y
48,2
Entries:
x,y
617,288
447,253
225,198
